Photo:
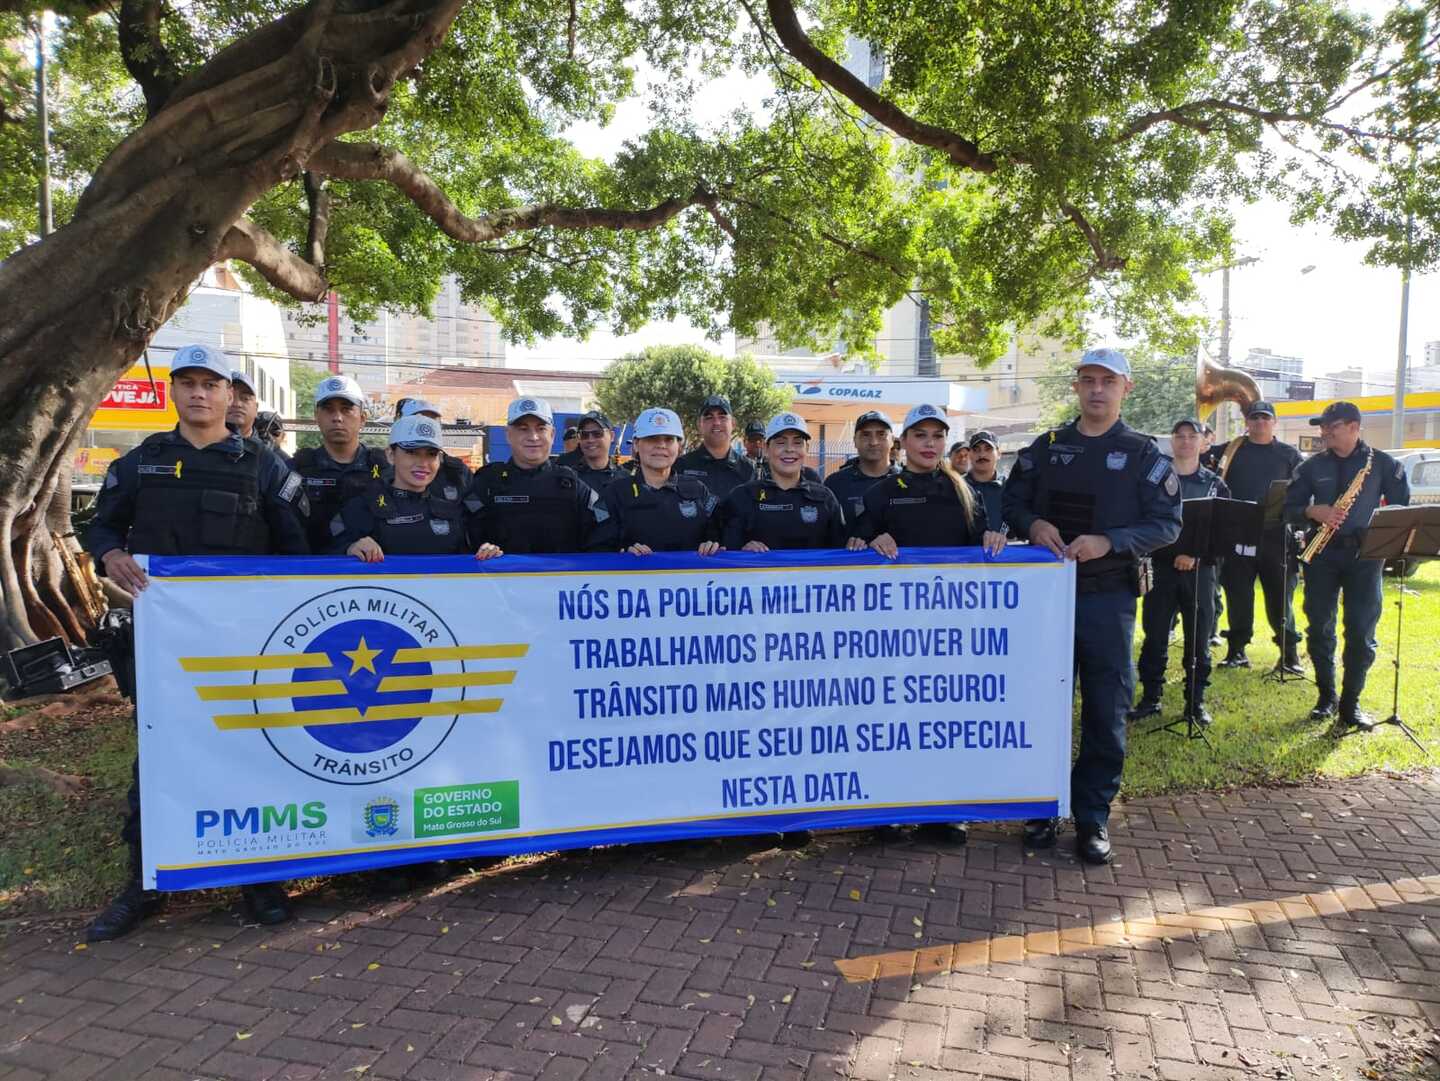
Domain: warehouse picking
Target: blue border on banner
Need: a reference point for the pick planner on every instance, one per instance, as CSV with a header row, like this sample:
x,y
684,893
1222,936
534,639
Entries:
x,y
276,870
285,566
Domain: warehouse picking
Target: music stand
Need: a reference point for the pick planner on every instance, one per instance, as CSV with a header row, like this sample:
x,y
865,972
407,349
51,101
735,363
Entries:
x,y
1211,529
1274,516
1401,533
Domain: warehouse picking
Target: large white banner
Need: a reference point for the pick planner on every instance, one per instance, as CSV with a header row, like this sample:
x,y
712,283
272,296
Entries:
x,y
320,715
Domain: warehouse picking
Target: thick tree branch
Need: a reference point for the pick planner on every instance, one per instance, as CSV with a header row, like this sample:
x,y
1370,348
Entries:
x,y
318,200
278,265
143,50
1105,260
570,26
957,148
1184,115
369,161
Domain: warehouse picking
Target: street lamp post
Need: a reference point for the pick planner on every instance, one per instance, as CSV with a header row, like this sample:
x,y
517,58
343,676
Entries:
x,y
1397,414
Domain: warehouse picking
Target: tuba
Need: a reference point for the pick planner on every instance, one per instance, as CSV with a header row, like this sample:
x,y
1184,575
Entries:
x,y
1215,383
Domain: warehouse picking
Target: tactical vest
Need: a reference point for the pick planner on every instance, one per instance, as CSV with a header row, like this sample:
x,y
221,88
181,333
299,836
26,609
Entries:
x,y
329,490
797,517
198,502
420,525
529,513
923,510
1088,486
667,519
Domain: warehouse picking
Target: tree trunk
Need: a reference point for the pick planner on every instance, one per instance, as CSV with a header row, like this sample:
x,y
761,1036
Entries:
x,y
167,203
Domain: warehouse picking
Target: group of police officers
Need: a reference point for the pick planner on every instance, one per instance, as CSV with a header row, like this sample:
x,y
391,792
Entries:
x,y
1094,491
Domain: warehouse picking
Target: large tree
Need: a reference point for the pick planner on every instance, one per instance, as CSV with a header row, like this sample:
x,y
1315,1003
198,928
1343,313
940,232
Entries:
x,y
1054,160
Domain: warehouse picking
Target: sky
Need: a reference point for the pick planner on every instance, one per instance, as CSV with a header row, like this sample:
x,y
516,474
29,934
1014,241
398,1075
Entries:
x,y
1339,315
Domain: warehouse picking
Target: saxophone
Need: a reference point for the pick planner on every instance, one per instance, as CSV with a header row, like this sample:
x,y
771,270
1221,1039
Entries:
x,y
1345,502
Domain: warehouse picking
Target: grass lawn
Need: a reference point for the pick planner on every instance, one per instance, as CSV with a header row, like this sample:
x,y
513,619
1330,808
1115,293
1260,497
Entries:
x,y
63,855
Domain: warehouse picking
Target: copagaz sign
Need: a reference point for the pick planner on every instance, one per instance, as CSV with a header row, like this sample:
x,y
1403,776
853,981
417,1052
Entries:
x,y
308,716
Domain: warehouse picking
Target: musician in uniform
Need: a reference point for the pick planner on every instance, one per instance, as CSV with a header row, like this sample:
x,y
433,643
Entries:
x,y
1248,465
1337,490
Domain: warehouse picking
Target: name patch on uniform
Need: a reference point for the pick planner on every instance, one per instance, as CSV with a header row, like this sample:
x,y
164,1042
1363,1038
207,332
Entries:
x,y
774,506
440,527
689,508
512,499
408,519
1116,460
321,482
905,500
159,470
692,472
809,515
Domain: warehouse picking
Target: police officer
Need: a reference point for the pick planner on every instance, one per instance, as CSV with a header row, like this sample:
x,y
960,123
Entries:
x,y
715,463
595,465
1098,492
405,513
755,444
244,405
783,510
1338,569
270,429
960,457
1248,465
874,435
453,477
657,509
1183,586
199,489
985,479
342,467
926,505
570,442
530,505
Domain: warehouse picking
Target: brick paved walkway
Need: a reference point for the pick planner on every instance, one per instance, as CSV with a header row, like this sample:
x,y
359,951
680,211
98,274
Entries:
x,y
1265,933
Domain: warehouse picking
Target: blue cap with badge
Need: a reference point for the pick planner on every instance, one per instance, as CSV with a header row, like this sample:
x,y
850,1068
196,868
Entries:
x,y
414,432
203,358
658,422
412,406
874,416
538,408
1110,359
924,411
785,422
239,378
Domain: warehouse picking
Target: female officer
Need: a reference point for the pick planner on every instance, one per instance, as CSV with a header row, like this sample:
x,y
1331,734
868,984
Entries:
x,y
656,510
782,509
403,517
926,505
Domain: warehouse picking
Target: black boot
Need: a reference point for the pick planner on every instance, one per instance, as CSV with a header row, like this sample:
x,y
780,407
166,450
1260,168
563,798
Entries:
x,y
1092,843
1039,833
1148,706
266,902
130,907
1235,659
1325,705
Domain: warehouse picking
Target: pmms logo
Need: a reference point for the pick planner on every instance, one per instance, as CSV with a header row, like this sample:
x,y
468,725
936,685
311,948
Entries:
x,y
260,828
355,686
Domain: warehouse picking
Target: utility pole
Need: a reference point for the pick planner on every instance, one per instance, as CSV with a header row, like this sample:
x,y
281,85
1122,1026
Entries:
x,y
1397,414
1220,412
42,116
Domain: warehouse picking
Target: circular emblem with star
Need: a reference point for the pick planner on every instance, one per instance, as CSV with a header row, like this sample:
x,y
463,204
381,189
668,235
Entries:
x,y
374,682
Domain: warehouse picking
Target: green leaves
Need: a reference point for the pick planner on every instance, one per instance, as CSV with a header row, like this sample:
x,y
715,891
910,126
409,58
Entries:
x,y
680,377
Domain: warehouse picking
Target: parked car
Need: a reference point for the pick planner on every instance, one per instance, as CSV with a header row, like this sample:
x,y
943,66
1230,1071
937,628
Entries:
x,y
1423,469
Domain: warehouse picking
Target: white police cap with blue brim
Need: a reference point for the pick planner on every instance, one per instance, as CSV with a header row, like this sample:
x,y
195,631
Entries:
x,y
418,405
415,432
658,422
924,411
785,422
339,386
538,408
203,358
1110,359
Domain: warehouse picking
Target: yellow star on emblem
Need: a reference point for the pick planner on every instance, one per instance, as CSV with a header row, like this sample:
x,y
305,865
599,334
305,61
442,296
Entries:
x,y
361,657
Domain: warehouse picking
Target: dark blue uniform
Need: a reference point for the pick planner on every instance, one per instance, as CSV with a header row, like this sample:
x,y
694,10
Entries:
x,y
762,471
535,511
1118,485
1338,569
850,486
992,494
401,522
1251,469
920,510
329,485
1188,594
451,479
678,516
167,497
806,516
598,479
721,476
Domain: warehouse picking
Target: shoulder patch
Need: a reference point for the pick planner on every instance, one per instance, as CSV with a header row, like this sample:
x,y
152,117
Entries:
x,y
291,487
1172,484
112,476
1158,471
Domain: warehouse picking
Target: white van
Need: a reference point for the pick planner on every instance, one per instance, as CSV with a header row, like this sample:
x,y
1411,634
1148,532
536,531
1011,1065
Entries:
x,y
1423,469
